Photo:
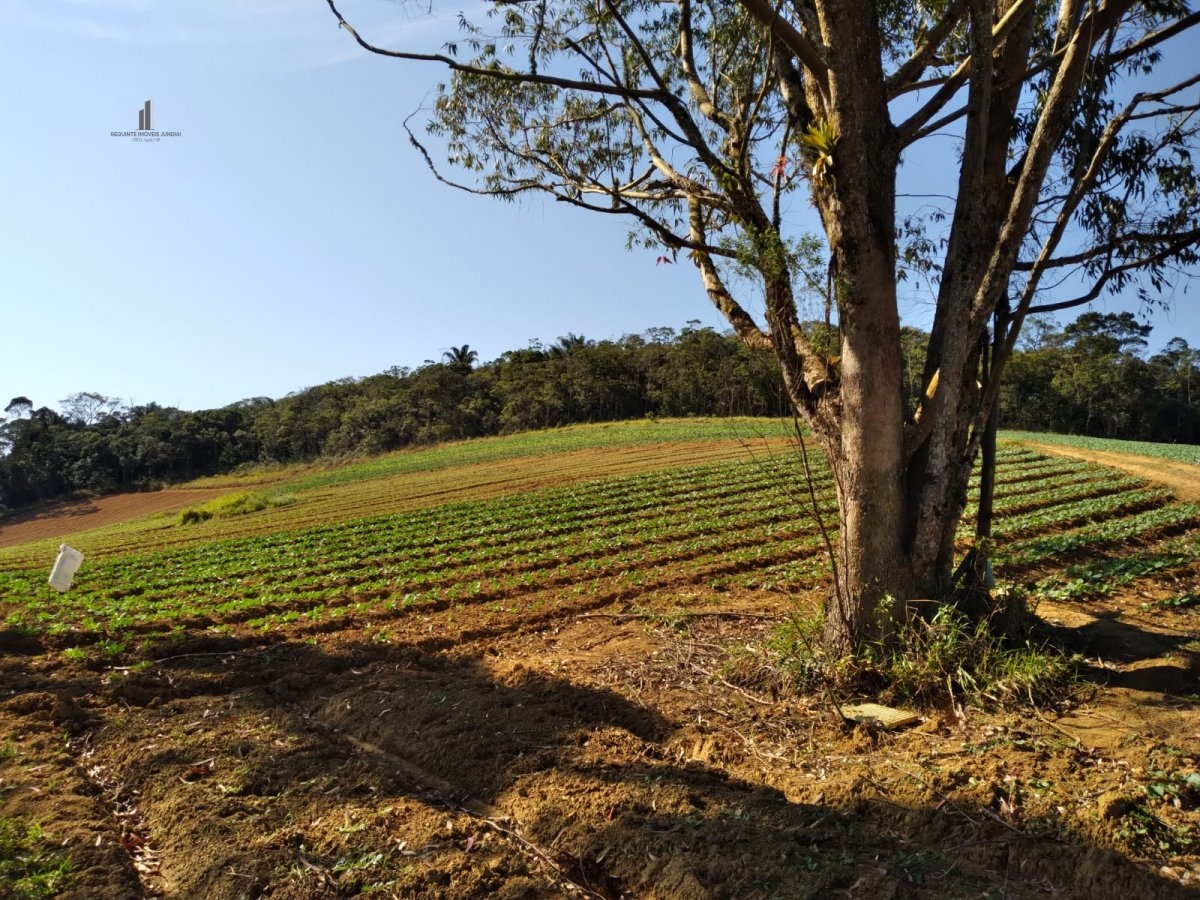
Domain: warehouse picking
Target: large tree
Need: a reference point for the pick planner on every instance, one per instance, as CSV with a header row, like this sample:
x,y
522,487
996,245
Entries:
x,y
88,407
1062,159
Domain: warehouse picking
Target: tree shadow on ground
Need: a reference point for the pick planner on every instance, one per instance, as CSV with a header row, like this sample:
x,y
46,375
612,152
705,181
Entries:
x,y
48,512
19,642
290,769
1108,641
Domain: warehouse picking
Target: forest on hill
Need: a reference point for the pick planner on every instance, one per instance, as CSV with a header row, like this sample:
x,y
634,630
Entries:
x,y
1092,377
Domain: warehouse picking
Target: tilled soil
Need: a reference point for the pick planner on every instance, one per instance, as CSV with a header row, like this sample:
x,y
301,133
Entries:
x,y
620,753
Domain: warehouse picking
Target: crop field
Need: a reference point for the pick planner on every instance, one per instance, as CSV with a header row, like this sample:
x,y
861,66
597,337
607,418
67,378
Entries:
x,y
553,666
412,480
603,540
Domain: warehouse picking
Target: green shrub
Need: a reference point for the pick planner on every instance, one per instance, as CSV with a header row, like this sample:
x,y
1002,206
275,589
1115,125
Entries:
x,y
228,505
193,515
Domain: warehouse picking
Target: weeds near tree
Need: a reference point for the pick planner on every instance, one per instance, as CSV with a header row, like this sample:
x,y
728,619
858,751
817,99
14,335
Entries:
x,y
27,871
930,658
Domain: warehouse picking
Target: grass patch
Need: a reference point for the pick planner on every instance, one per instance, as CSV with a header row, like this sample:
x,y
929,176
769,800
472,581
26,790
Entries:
x,y
949,653
29,870
237,504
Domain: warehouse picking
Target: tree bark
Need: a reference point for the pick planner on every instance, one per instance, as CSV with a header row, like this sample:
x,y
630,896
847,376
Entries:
x,y
866,450
875,576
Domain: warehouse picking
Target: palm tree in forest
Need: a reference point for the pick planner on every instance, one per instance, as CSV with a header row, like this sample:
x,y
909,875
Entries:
x,y
461,357
567,344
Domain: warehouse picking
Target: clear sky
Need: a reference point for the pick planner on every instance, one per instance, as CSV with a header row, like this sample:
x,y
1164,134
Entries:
x,y
289,235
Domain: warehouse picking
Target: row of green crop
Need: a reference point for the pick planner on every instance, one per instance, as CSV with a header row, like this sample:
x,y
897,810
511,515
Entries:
x,y
368,541
1034,485
365,498
458,582
614,511
1107,532
394,552
1062,506
498,519
708,524
498,524
369,489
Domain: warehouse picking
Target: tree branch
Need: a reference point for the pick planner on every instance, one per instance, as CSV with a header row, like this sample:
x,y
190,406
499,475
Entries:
x,y
1172,248
1147,42
914,124
741,321
915,65
688,63
1153,39
689,186
1131,237
1078,191
499,74
1042,145
808,54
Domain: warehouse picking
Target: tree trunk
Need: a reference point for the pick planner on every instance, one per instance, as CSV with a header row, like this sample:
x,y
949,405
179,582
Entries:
x,y
866,444
874,581
888,556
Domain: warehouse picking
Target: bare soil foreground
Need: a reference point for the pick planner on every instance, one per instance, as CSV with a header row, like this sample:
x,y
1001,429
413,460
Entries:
x,y
597,746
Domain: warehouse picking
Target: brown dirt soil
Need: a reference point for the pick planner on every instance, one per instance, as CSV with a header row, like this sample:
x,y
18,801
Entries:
x,y
644,748
72,516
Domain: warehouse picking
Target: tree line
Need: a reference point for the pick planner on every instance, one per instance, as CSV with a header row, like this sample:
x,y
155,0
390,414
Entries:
x,y
1091,377
93,444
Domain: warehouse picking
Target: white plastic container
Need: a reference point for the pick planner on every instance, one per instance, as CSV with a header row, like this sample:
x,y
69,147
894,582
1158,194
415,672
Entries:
x,y
68,563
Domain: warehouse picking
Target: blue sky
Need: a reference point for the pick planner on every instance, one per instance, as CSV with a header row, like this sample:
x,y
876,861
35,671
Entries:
x,y
289,236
